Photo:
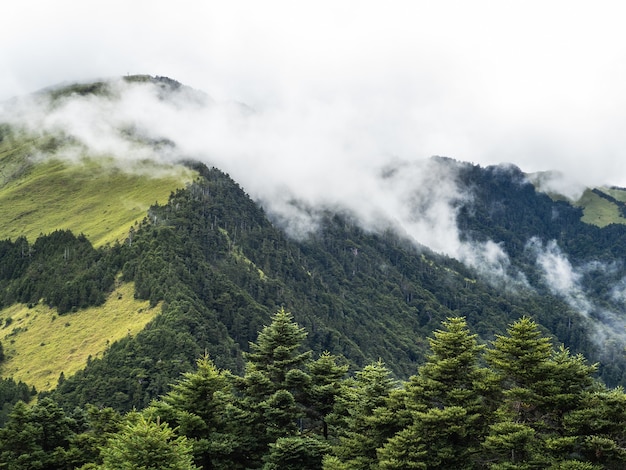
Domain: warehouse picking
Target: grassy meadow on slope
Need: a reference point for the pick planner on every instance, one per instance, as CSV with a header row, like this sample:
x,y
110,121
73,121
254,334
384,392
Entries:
x,y
598,210
92,197
39,344
40,194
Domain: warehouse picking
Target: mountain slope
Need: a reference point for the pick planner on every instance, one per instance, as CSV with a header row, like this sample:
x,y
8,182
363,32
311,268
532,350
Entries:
x,y
216,266
86,195
40,345
221,268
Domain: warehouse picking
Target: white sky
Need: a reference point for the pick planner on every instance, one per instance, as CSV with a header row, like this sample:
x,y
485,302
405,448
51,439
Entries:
x,y
541,84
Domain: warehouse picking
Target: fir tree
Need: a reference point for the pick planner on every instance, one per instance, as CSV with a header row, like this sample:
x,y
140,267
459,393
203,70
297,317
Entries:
x,y
276,352
540,387
449,402
361,418
197,406
326,376
271,400
143,444
522,360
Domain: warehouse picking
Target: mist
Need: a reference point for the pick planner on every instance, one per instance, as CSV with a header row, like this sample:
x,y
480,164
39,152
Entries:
x,y
295,160
534,84
289,158
607,325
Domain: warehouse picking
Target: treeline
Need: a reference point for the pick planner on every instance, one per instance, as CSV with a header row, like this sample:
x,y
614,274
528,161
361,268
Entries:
x,y
61,269
518,403
219,267
12,392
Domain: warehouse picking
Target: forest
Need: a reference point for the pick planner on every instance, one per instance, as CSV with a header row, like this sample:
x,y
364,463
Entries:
x,y
516,403
395,356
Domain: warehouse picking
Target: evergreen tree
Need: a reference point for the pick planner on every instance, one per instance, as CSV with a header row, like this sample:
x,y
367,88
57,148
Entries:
x,y
450,404
197,407
296,453
451,375
19,441
361,418
512,445
36,437
276,352
272,392
143,444
541,387
98,425
437,439
326,376
599,427
522,360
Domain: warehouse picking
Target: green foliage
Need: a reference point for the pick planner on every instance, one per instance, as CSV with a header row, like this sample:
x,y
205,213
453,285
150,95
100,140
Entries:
x,y
10,393
325,385
454,413
60,268
142,444
196,408
449,402
275,353
359,418
437,439
271,394
36,437
296,453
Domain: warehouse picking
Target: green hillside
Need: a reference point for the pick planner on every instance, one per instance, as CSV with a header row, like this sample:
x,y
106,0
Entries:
x,y
601,211
601,206
40,194
39,344
92,197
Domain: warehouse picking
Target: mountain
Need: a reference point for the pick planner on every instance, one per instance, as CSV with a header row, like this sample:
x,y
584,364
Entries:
x,y
91,215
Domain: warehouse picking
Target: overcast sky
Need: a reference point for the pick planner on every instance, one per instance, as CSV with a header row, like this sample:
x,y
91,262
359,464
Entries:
x,y
539,84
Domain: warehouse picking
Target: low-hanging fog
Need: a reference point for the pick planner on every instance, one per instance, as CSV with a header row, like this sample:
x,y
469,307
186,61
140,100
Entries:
x,y
288,159
534,83
295,162
341,104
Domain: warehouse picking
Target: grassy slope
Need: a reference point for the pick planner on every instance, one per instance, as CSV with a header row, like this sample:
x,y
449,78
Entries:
x,y
598,211
41,344
90,197
100,201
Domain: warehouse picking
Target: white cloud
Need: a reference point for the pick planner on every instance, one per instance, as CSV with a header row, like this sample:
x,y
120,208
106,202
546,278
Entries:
x,y
536,84
559,275
291,159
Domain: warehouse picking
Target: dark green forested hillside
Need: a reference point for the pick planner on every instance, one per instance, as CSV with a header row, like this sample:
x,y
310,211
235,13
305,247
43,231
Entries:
x,y
520,403
221,268
506,208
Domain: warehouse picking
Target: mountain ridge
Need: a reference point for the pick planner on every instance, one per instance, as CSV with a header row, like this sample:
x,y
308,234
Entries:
x,y
219,265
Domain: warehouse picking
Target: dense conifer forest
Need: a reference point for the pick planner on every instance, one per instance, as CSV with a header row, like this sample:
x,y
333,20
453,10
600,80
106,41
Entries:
x,y
220,380
517,403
